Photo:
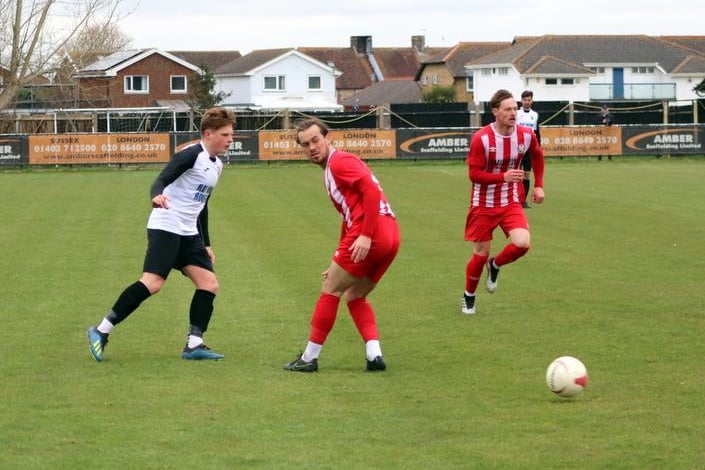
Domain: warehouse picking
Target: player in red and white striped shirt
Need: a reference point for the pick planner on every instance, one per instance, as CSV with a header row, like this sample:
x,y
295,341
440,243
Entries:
x,y
369,242
494,165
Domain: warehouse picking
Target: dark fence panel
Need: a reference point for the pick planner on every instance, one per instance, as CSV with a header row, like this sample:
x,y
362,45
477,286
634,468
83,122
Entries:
x,y
430,115
13,150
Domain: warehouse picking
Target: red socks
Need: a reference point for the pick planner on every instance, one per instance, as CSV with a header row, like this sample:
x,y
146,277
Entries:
x,y
473,271
364,318
326,311
509,254
323,319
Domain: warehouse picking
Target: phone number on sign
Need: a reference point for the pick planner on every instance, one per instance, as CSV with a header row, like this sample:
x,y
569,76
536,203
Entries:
x,y
599,140
351,144
55,148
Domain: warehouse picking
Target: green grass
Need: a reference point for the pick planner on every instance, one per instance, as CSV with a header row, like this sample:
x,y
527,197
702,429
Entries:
x,y
615,277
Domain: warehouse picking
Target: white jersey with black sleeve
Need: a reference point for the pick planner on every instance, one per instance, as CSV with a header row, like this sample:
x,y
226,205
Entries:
x,y
529,119
187,181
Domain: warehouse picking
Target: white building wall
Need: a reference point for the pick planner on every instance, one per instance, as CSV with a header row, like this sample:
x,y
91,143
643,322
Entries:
x,y
296,70
486,85
684,87
578,91
238,87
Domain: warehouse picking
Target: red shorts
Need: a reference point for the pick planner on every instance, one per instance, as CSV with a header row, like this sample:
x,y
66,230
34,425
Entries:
x,y
385,245
481,221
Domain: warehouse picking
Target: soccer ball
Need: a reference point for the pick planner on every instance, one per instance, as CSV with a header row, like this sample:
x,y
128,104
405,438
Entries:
x,y
566,376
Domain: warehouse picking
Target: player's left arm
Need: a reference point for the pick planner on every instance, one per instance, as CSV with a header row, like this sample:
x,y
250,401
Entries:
x,y
538,130
367,186
537,166
202,225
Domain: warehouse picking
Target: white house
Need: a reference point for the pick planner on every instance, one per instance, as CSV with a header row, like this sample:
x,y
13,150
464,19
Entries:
x,y
275,79
591,68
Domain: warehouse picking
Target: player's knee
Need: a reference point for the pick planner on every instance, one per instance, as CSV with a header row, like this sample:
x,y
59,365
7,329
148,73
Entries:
x,y
152,283
211,286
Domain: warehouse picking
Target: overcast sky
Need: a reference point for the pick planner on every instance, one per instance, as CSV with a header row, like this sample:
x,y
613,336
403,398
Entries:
x,y
245,25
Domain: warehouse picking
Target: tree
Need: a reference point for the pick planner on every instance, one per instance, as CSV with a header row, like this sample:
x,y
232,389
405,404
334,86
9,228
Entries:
x,y
202,91
439,94
37,35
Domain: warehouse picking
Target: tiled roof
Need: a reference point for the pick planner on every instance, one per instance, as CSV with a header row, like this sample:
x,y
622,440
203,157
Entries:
x,y
386,92
397,62
580,50
112,60
552,65
457,56
208,59
110,64
694,43
357,73
691,65
251,61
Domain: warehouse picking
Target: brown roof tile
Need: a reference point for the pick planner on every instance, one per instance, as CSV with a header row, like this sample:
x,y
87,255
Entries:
x,y
251,61
579,50
357,72
208,59
392,91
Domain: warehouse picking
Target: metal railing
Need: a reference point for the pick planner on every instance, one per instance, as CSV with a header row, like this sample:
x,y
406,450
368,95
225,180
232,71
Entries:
x,y
633,91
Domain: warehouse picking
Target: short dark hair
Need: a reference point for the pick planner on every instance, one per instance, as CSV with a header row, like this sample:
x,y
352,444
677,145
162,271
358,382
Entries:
x,y
526,93
306,123
498,97
215,118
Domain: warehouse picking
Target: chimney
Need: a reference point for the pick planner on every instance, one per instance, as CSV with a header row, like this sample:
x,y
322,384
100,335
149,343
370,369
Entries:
x,y
361,44
418,42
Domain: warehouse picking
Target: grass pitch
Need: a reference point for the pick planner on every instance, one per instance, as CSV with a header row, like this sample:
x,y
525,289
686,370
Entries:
x,y
615,277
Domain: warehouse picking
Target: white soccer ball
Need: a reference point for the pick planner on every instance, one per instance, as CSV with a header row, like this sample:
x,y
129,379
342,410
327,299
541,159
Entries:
x,y
566,376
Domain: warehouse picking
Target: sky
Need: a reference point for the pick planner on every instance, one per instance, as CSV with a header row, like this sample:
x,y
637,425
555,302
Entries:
x,y
246,25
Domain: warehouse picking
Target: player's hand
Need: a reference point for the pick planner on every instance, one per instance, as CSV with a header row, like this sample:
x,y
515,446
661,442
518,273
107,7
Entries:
x,y
324,274
538,195
160,200
211,254
514,176
360,248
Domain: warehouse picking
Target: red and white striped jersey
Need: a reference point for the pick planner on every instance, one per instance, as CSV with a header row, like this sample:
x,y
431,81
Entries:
x,y
355,192
491,155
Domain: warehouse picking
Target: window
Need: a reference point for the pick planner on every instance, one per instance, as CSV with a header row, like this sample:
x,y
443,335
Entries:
x,y
503,71
551,81
486,72
136,84
274,83
435,80
469,84
178,84
314,82
642,70
598,69
424,80
567,81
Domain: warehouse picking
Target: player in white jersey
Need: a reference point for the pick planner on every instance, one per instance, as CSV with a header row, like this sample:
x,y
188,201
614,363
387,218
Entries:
x,y
527,117
178,238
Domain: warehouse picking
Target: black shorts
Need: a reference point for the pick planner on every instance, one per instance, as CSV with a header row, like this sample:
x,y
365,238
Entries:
x,y
167,251
526,162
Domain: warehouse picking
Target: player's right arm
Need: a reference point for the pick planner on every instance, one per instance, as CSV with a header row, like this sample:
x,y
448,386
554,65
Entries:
x,y
181,162
477,165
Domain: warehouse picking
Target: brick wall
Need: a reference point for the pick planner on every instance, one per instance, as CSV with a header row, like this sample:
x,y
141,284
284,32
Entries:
x,y
111,91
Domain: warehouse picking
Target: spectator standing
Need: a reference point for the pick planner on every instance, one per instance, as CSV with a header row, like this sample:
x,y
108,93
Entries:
x,y
605,118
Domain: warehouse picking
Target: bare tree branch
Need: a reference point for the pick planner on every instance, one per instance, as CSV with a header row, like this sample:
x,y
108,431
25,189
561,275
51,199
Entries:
x,y
36,36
